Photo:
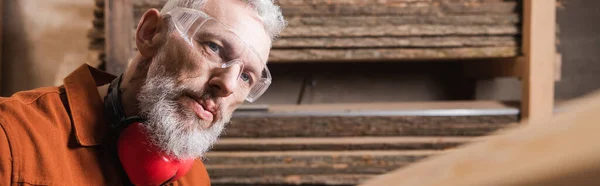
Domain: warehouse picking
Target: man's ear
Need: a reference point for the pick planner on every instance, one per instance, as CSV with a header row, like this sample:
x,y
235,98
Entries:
x,y
149,35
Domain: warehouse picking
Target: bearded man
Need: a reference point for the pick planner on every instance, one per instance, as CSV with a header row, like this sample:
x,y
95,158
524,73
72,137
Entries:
x,y
197,61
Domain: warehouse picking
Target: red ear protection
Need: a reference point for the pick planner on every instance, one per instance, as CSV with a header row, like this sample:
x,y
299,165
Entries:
x,y
144,163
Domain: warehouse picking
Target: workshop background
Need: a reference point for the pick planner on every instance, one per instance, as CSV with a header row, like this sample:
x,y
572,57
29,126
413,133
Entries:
x,y
408,56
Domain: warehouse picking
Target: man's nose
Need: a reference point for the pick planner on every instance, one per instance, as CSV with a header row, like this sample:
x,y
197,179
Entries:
x,y
225,81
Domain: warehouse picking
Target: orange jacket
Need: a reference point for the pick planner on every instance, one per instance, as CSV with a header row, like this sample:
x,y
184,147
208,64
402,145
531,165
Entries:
x,y
44,142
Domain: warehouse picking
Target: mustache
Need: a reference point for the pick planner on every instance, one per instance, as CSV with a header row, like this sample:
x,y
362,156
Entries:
x,y
204,96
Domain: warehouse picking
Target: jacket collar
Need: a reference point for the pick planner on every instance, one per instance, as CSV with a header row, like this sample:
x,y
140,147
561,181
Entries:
x,y
86,106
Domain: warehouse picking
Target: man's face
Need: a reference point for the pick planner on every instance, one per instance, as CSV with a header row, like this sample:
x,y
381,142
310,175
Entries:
x,y
188,95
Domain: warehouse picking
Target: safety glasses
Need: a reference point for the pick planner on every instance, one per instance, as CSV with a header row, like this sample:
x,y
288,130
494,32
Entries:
x,y
220,44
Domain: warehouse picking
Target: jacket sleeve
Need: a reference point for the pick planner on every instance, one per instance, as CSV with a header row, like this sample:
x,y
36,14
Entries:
x,y
5,158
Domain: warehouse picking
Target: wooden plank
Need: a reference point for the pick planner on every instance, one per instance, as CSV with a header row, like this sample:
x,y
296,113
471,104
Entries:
x,y
382,54
399,30
349,2
394,42
395,8
539,50
119,45
560,150
486,19
343,143
386,106
331,126
246,164
300,121
310,179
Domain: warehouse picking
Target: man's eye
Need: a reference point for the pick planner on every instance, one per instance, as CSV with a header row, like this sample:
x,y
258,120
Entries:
x,y
246,77
213,47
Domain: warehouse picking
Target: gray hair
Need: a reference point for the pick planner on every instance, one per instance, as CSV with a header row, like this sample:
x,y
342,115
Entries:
x,y
269,13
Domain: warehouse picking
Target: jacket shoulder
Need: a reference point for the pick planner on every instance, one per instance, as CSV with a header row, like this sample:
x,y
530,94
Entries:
x,y
196,176
29,96
32,108
33,118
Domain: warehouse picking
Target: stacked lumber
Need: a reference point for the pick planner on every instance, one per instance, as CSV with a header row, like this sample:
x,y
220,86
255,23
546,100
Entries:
x,y
341,30
365,30
289,147
96,34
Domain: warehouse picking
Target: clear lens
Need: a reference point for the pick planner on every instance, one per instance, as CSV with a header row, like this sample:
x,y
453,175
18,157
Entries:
x,y
220,44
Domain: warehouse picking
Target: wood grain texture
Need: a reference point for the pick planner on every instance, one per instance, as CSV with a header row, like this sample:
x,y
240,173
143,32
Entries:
x,y
342,143
371,54
443,29
247,164
367,126
381,30
310,179
400,30
367,20
391,42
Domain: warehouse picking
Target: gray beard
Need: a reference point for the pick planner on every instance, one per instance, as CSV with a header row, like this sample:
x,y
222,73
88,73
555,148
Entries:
x,y
171,126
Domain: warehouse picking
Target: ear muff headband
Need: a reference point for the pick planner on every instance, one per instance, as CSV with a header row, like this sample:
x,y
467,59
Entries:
x,y
113,108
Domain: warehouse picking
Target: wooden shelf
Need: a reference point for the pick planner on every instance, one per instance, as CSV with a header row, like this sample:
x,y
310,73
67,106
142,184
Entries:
x,y
334,144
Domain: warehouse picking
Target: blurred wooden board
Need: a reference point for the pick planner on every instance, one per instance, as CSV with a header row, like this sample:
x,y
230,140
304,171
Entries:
x,y
560,150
